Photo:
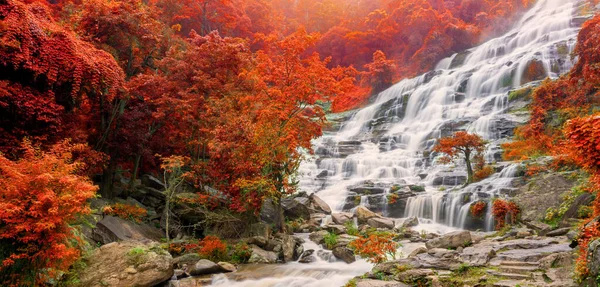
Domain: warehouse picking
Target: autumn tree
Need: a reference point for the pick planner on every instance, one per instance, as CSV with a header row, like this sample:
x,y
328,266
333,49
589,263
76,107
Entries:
x,y
53,84
380,72
461,145
40,195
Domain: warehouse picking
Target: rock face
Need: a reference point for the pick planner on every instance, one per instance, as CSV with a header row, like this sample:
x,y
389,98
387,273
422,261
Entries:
x,y
111,229
451,240
296,207
319,205
345,254
128,263
318,237
550,187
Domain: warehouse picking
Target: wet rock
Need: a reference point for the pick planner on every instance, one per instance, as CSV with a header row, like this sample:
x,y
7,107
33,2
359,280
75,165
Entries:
x,y
187,259
346,148
403,223
381,222
325,255
341,218
127,263
558,232
363,214
112,229
227,267
204,267
318,237
344,239
308,256
345,254
450,178
450,240
296,207
459,59
288,247
262,256
319,205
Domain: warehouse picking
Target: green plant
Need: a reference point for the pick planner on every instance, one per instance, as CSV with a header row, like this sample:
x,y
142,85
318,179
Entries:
x,y
417,188
351,283
241,253
136,255
330,240
463,268
351,229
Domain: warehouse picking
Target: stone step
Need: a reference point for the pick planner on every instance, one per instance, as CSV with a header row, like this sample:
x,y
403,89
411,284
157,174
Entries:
x,y
518,263
513,276
508,283
526,270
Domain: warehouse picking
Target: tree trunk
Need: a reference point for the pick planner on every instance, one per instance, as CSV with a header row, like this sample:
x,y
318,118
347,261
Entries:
x,y
469,168
280,219
167,206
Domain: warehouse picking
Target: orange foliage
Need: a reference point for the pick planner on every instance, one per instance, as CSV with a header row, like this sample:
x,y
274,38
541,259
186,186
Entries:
x,y
469,146
126,211
210,247
478,209
502,209
376,248
40,194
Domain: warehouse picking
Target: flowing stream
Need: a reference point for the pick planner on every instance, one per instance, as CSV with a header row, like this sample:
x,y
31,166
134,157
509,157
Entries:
x,y
383,149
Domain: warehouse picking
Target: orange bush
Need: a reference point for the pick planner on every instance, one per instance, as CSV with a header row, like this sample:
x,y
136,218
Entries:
x,y
501,209
478,209
40,194
376,248
483,173
126,211
210,247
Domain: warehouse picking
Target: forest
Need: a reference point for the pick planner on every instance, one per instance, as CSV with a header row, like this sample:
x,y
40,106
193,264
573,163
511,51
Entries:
x,y
224,99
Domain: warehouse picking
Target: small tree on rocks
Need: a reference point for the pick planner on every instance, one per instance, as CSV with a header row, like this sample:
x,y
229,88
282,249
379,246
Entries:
x,y
462,144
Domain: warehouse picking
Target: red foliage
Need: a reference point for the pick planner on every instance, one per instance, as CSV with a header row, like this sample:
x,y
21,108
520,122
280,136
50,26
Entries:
x,y
210,247
478,209
503,210
40,194
463,144
126,211
376,248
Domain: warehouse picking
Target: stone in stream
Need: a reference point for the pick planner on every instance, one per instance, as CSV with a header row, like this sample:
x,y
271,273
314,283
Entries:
x,y
319,205
403,223
296,207
204,267
308,256
318,237
345,254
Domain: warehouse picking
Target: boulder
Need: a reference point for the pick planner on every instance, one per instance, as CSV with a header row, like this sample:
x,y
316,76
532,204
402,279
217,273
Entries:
x,y
341,218
542,192
259,229
111,229
296,207
269,213
318,237
414,275
406,222
288,247
593,258
558,232
344,240
478,255
449,178
539,227
334,228
261,256
227,267
345,254
186,259
417,252
319,205
381,222
126,263
258,241
450,240
363,214
204,267
308,256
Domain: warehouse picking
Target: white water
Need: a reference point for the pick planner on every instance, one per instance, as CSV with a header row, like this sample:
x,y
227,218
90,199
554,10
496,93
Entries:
x,y
316,274
386,143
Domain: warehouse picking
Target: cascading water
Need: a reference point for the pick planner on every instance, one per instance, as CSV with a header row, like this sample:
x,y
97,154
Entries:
x,y
379,157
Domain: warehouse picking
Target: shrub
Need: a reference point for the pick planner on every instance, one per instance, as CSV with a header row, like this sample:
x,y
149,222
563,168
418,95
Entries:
x,y
417,188
483,173
211,248
40,195
330,240
392,198
351,229
478,209
376,248
241,253
126,211
501,209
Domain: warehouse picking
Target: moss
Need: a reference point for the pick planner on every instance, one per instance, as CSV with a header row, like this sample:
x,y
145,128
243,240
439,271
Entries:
x,y
330,240
524,93
351,283
469,276
136,256
417,188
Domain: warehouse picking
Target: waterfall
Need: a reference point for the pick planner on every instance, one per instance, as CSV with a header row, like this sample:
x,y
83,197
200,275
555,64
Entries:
x,y
384,148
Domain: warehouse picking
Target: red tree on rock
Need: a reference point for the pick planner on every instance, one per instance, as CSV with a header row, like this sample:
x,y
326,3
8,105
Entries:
x,y
461,145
